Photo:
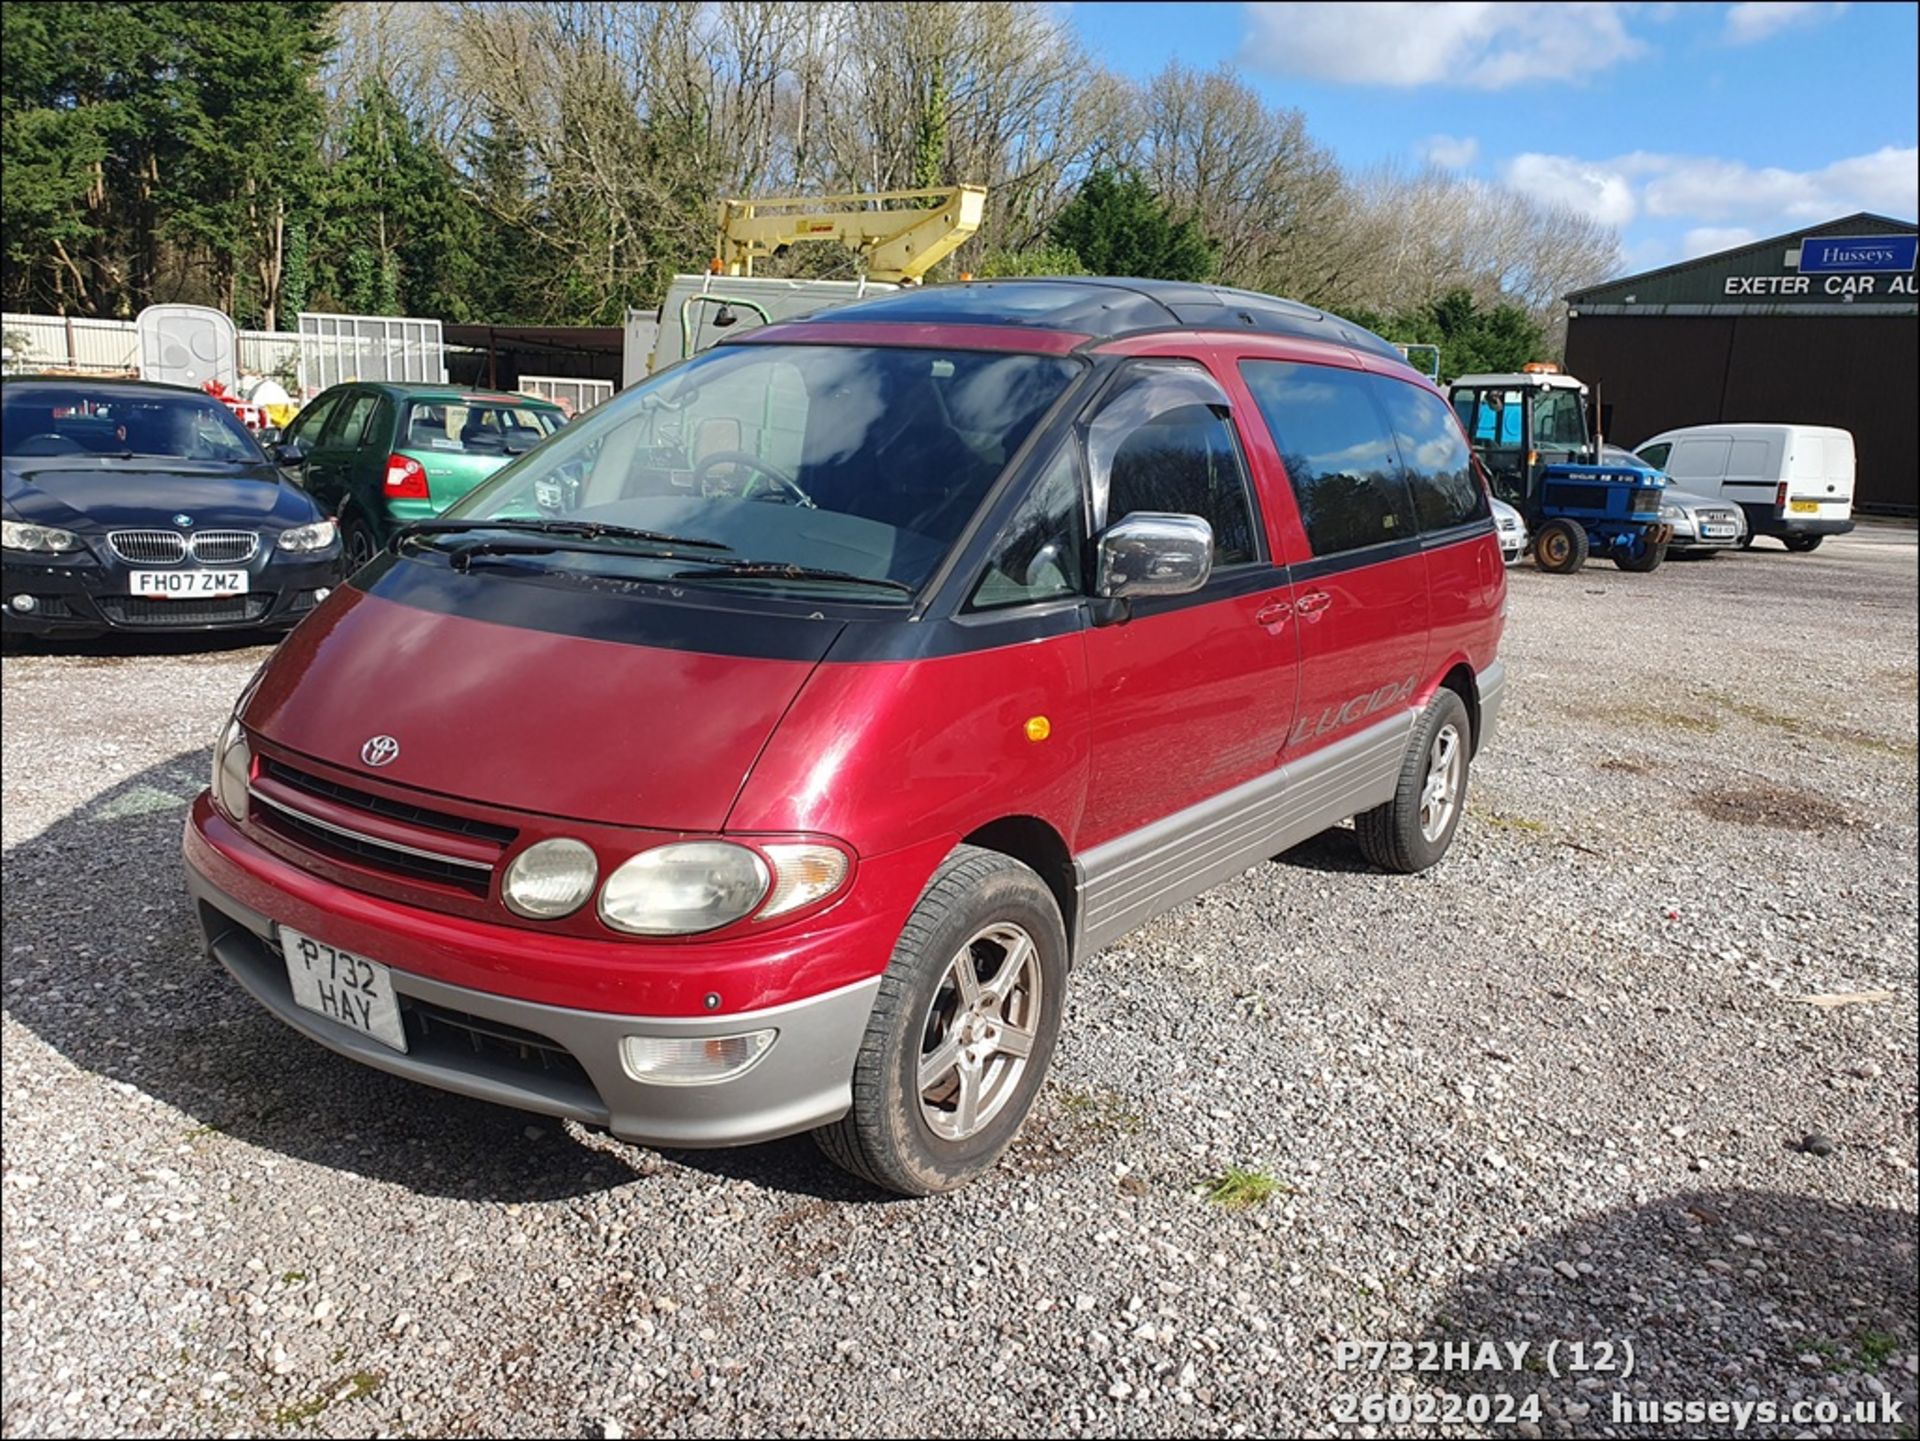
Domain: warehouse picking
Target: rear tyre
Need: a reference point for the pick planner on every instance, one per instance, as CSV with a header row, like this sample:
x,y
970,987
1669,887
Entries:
x,y
1801,544
1560,546
1414,829
1648,559
961,1031
356,537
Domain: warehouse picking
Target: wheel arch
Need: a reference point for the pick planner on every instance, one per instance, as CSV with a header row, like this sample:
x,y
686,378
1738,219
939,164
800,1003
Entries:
x,y
1464,682
1042,849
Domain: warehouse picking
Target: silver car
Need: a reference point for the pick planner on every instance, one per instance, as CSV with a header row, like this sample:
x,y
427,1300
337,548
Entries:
x,y
1511,527
1701,524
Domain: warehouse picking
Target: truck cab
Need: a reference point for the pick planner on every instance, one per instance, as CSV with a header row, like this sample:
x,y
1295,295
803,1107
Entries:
x,y
1521,422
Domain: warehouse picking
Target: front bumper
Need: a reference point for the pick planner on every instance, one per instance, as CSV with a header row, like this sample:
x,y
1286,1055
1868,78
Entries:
x,y
85,596
564,1062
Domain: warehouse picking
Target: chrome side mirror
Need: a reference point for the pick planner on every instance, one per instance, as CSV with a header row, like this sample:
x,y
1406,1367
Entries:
x,y
1151,553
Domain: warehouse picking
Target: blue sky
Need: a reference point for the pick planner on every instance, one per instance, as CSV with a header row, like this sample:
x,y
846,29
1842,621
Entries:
x,y
1690,127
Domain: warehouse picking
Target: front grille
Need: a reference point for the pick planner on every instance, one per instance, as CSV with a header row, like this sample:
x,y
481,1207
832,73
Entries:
x,y
169,547
393,810
148,547
136,611
429,1025
224,547
369,852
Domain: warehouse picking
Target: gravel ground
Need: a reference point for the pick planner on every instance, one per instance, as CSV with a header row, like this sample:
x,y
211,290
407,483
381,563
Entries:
x,y
1564,1087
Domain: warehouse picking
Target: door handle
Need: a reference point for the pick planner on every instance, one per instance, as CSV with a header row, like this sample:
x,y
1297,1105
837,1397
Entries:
x,y
1273,615
1313,603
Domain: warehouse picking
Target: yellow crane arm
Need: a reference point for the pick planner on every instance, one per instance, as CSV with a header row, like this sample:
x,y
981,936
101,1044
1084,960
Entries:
x,y
900,245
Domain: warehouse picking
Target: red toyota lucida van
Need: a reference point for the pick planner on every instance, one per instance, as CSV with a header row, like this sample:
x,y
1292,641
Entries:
x,y
757,754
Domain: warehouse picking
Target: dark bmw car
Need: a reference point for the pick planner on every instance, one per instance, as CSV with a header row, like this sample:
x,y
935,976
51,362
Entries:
x,y
130,506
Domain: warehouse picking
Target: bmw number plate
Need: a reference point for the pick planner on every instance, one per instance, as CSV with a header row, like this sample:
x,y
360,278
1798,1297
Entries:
x,y
188,584
343,987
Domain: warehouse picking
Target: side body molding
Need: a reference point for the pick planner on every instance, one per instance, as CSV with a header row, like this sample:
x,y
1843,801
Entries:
x,y
1132,878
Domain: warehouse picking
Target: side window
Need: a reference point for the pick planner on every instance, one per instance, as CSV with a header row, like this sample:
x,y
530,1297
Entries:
x,y
1339,457
1163,441
350,424
1038,555
1655,455
307,425
1433,455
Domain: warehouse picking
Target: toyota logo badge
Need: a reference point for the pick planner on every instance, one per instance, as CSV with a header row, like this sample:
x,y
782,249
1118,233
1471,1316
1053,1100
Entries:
x,y
380,751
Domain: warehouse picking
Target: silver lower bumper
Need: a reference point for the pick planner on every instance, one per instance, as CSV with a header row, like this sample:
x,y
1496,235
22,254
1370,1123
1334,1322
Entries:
x,y
464,1040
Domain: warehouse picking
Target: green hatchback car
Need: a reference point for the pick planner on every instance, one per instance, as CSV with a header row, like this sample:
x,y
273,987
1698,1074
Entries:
x,y
379,455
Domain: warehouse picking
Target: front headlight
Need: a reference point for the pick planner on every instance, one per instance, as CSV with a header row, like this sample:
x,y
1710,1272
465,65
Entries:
x,y
302,538
232,769
37,539
1669,511
681,889
550,879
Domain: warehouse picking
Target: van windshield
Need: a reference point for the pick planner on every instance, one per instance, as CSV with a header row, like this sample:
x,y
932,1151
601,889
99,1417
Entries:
x,y
862,462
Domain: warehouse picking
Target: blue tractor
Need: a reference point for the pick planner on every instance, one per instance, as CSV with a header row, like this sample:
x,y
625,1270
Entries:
x,y
1530,432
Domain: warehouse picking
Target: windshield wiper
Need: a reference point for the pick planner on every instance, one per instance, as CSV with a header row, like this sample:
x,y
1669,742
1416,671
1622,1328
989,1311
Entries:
x,y
784,570
582,529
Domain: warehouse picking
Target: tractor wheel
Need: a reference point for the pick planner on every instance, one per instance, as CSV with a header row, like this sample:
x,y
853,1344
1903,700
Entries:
x,y
1648,559
1801,544
1560,546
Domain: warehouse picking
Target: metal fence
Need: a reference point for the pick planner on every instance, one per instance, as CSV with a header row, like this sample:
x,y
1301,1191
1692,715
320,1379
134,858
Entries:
x,y
337,348
64,342
582,395
111,347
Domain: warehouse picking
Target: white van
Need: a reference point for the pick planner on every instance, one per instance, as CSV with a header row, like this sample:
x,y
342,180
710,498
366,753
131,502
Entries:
x,y
1793,481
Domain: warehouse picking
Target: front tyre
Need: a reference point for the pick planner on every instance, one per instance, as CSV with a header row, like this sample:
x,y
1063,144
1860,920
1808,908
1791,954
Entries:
x,y
1560,546
1414,829
961,1031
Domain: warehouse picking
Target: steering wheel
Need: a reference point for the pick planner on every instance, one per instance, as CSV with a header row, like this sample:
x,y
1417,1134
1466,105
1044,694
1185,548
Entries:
x,y
702,477
50,442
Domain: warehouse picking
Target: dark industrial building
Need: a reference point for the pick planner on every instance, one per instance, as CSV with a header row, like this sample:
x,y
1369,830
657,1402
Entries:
x,y
1817,327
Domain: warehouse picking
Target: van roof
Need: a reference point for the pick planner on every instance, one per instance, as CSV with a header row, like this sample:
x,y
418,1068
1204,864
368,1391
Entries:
x,y
1102,309
1771,427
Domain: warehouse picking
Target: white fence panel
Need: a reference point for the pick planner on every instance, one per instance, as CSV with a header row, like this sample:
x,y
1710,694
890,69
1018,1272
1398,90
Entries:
x,y
58,342
581,394
271,352
337,348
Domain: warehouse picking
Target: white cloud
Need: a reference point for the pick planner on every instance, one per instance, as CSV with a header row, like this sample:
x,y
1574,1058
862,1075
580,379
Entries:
x,y
1888,180
1707,239
1450,152
1723,193
1593,189
1482,46
1762,19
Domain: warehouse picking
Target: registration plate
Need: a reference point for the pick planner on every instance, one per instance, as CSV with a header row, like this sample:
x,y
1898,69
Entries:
x,y
1804,507
343,987
188,584
1717,532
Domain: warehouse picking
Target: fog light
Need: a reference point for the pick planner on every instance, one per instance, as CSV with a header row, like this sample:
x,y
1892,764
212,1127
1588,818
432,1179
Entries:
x,y
693,1060
25,604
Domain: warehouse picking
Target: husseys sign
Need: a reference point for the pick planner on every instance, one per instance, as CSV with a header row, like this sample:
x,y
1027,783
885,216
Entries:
x,y
1839,265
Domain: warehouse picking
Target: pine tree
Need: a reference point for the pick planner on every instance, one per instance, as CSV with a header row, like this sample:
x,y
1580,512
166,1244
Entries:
x,y
1116,225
